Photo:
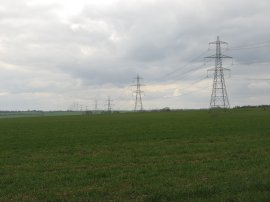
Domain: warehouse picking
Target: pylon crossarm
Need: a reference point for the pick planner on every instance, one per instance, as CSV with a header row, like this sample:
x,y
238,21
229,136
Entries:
x,y
212,56
215,42
225,56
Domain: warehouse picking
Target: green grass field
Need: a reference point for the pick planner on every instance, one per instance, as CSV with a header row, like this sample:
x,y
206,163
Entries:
x,y
169,156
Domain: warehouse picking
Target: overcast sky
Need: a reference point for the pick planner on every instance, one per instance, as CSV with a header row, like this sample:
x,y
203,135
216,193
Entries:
x,y
55,53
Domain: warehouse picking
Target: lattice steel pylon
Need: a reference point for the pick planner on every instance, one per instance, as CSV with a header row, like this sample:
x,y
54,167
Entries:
x,y
109,105
96,105
138,91
219,96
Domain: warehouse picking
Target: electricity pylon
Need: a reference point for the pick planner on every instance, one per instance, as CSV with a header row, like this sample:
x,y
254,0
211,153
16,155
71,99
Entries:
x,y
109,105
96,105
219,96
138,91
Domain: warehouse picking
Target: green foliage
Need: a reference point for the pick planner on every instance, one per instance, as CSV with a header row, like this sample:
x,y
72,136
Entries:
x,y
166,156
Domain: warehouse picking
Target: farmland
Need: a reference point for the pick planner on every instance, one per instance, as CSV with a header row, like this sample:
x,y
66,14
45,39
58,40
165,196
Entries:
x,y
165,156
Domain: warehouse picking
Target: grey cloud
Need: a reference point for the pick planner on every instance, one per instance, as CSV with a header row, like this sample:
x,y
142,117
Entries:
x,y
109,45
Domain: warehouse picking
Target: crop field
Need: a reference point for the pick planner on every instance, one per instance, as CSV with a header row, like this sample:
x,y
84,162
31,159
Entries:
x,y
165,156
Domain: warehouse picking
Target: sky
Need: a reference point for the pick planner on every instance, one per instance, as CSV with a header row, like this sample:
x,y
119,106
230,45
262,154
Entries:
x,y
67,54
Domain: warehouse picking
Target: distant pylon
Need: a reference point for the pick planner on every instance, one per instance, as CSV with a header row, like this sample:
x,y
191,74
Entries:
x,y
109,105
219,96
96,105
138,99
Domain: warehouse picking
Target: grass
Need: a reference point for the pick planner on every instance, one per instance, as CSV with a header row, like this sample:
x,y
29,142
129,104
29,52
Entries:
x,y
172,156
20,114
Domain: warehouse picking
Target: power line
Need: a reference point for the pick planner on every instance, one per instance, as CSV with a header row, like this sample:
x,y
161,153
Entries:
x,y
185,73
251,79
183,67
193,83
252,63
250,46
219,81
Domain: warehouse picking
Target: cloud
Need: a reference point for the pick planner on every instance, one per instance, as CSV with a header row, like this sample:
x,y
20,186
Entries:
x,y
49,48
